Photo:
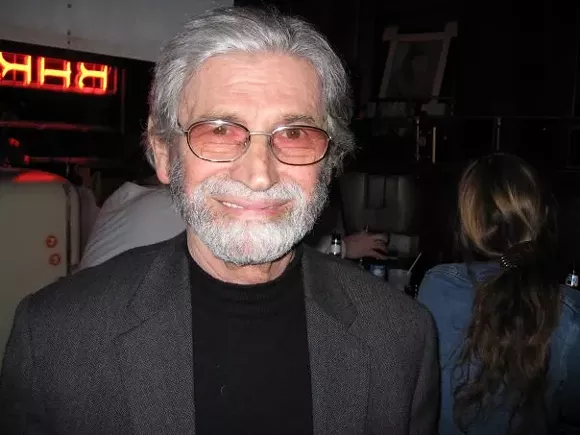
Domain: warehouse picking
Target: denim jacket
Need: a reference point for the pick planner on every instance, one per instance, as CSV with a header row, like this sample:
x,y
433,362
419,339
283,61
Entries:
x,y
447,290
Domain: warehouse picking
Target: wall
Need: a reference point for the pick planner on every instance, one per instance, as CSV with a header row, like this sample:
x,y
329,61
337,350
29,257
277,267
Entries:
x,y
133,29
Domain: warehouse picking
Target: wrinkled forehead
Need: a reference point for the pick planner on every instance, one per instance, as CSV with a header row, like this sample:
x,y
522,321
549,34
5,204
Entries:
x,y
253,85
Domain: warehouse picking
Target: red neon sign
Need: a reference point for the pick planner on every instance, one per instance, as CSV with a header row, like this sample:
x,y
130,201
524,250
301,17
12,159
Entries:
x,y
39,72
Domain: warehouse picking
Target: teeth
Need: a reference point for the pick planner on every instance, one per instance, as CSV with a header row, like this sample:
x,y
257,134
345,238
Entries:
x,y
229,204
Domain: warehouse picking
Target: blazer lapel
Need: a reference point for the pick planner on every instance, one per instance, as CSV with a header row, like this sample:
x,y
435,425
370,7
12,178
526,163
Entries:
x,y
156,352
339,361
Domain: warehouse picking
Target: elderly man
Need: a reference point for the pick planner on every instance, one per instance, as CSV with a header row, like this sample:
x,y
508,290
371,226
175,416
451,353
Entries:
x,y
233,327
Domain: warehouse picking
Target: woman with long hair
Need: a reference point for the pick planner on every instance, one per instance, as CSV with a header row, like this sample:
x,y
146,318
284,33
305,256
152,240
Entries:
x,y
509,334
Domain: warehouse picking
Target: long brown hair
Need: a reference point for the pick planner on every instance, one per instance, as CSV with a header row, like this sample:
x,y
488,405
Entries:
x,y
507,216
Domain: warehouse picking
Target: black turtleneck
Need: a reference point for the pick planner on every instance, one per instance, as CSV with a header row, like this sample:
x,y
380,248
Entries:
x,y
251,360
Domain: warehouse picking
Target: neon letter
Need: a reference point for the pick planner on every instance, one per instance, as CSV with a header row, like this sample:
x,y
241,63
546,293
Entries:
x,y
25,67
44,72
101,73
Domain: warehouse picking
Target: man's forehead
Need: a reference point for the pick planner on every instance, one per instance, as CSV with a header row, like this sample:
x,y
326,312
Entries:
x,y
285,85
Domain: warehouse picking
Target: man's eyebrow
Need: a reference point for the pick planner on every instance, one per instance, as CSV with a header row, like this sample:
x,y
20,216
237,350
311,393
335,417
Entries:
x,y
232,117
225,116
299,119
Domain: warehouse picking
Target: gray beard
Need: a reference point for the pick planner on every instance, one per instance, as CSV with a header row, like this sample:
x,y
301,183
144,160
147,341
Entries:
x,y
246,242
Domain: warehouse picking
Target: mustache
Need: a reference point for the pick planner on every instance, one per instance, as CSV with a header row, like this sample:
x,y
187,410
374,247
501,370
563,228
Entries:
x,y
281,191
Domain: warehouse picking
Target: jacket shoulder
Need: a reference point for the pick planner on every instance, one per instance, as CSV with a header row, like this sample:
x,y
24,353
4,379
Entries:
x,y
98,290
372,297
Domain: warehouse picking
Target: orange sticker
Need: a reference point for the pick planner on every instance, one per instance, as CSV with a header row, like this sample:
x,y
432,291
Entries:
x,y
54,259
51,241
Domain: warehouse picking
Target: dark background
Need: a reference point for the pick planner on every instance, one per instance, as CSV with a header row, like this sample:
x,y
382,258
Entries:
x,y
510,59
513,63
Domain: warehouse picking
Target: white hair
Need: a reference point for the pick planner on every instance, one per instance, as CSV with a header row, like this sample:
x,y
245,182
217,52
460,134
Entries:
x,y
237,29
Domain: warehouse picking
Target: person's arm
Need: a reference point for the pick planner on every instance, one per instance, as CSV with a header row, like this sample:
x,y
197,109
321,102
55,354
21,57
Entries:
x,y
359,245
425,406
20,409
365,244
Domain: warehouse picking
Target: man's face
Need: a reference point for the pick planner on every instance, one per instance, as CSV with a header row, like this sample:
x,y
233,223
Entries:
x,y
254,209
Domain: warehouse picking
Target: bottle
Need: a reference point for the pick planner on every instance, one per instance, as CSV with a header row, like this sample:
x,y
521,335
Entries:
x,y
335,245
572,279
378,269
412,290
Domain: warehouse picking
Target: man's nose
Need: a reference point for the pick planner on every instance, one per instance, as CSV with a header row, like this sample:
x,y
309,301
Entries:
x,y
257,168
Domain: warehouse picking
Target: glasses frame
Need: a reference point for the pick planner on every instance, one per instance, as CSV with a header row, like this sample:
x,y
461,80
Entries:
x,y
220,122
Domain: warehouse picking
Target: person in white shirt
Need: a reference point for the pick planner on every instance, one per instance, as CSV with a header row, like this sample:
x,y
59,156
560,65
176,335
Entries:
x,y
134,215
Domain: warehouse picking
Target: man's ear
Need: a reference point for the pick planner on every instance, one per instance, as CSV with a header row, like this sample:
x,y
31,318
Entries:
x,y
160,151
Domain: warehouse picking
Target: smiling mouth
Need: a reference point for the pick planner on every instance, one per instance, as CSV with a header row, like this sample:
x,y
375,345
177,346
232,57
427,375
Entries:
x,y
230,205
252,206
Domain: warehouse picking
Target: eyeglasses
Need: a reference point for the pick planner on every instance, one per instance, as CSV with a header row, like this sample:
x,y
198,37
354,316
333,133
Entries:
x,y
224,141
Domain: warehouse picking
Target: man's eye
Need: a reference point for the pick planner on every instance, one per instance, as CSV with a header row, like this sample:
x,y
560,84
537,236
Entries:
x,y
293,133
220,130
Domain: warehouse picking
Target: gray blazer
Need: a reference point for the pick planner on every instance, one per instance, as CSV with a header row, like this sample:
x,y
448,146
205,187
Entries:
x,y
109,351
